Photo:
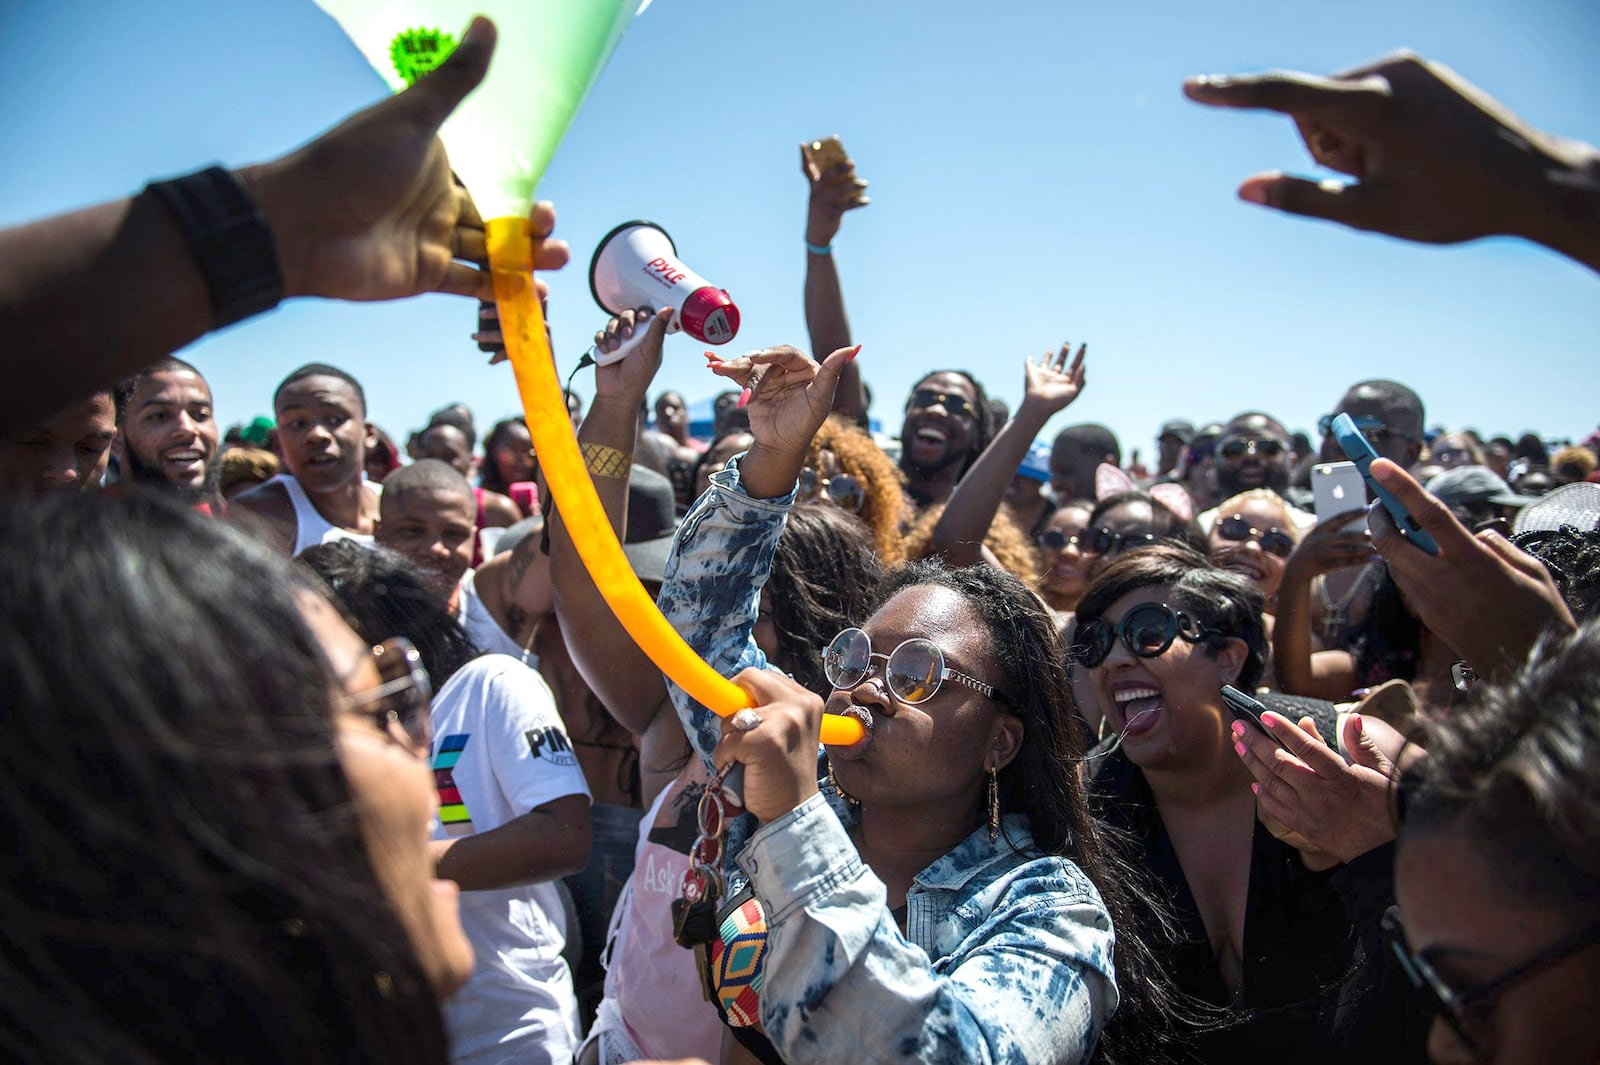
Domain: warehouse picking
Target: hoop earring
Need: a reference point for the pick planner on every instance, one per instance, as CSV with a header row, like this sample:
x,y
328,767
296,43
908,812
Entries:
x,y
994,804
833,782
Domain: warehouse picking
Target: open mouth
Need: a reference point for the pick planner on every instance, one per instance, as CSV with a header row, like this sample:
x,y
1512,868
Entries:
x,y
1244,568
1138,707
857,750
184,461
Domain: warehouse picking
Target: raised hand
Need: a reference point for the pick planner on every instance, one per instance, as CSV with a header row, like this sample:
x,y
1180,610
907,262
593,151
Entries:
x,y
1435,158
1050,385
369,210
1480,594
788,396
833,192
1310,797
629,379
1332,544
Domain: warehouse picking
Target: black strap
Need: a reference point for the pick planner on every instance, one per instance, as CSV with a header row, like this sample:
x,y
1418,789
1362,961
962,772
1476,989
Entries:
x,y
230,240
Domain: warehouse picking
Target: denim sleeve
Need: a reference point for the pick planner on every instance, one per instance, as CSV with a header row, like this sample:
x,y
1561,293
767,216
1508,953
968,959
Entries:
x,y
721,557
1033,982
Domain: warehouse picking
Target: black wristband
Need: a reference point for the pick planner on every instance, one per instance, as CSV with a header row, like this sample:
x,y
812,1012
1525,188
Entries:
x,y
230,240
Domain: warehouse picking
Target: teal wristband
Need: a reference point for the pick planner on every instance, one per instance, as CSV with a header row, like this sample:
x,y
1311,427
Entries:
x,y
825,249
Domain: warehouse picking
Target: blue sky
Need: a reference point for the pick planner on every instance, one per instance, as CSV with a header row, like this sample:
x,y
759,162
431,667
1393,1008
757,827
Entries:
x,y
1036,176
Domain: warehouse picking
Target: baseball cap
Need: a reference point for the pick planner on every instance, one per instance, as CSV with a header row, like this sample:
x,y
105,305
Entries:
x,y
1177,427
1475,484
1036,463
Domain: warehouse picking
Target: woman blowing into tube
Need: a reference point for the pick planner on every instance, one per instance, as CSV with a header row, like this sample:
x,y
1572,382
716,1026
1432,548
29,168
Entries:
x,y
942,893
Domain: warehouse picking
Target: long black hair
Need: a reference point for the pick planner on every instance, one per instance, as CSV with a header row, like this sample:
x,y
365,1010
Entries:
x,y
384,596
1043,782
824,579
188,877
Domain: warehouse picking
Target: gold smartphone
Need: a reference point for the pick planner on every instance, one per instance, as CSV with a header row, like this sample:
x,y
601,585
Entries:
x,y
827,152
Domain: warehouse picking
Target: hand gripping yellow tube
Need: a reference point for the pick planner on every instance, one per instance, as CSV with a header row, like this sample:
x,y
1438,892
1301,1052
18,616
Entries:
x,y
522,324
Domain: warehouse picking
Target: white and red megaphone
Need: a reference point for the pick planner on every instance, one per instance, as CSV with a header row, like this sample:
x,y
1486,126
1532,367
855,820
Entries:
x,y
636,265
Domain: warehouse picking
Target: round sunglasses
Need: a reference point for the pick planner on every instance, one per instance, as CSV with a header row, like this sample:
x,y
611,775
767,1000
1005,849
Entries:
x,y
1105,542
1056,540
843,490
954,404
1272,541
1236,449
1146,631
404,710
913,671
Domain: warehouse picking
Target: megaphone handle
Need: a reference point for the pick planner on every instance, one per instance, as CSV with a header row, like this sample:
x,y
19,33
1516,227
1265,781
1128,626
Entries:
x,y
733,785
631,345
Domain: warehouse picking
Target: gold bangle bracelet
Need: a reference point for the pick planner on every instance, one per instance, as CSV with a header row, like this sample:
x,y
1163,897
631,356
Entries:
x,y
603,461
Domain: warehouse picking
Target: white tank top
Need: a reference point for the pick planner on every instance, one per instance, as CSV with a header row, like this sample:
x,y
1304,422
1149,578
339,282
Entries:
x,y
482,629
310,527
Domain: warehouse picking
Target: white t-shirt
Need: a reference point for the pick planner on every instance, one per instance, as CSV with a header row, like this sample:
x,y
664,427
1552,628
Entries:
x,y
499,750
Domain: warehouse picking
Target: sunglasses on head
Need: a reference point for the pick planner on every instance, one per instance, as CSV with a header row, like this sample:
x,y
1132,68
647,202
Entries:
x,y
1056,540
955,405
843,490
1146,631
913,672
1466,1012
403,708
1105,542
1236,449
1372,428
1272,541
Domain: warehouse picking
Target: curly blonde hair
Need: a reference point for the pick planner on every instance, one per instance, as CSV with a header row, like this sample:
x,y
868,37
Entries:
x,y
884,503
1005,539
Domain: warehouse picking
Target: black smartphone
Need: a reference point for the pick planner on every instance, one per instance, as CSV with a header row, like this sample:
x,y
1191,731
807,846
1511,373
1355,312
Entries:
x,y
1249,711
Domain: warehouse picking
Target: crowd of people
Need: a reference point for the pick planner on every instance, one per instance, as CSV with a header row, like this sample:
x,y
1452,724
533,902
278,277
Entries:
x,y
330,749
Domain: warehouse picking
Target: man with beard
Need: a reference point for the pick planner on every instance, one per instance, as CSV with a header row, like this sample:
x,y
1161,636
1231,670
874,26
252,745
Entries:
x,y
66,452
1253,452
167,435
945,429
1077,451
324,434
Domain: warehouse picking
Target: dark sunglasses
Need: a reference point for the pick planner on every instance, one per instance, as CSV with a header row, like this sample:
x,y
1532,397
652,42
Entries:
x,y
1236,449
1201,452
1464,1010
954,405
1056,540
913,672
843,491
1272,541
1105,542
1146,631
404,710
1371,428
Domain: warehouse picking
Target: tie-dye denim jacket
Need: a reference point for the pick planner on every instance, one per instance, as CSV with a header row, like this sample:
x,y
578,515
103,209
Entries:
x,y
1007,956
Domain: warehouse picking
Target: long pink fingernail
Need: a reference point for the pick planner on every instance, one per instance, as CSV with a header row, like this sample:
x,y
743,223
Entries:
x,y
853,353
744,397
1239,749
1255,789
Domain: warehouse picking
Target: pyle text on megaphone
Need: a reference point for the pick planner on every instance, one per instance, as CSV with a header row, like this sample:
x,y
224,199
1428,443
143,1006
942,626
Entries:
x,y
637,265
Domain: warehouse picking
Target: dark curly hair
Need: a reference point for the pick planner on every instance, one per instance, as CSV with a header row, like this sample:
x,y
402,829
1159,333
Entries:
x,y
383,595
1573,558
1514,772
881,480
824,578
